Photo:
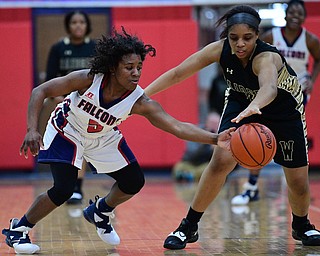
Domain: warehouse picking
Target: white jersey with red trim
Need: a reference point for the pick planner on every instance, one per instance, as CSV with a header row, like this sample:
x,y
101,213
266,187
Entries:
x,y
89,115
296,54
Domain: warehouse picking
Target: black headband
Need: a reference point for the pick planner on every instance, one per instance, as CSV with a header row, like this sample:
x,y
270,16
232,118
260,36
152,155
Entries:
x,y
243,18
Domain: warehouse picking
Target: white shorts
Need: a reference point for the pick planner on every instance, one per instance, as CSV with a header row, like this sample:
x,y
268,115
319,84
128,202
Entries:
x,y
104,154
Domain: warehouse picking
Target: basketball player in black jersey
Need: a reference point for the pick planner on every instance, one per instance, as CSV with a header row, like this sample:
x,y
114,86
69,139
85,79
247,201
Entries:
x,y
289,40
261,88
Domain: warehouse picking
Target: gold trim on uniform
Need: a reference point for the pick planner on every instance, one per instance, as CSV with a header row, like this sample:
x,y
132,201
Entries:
x,y
291,84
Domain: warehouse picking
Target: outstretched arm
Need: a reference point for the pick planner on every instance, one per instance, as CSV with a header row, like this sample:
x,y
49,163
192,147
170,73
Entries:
x,y
194,63
265,66
153,111
77,80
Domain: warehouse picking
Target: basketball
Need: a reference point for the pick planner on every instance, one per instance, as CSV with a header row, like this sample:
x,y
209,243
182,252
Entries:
x,y
253,146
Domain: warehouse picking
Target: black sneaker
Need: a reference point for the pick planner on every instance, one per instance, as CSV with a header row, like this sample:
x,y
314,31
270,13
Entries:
x,y
184,234
308,235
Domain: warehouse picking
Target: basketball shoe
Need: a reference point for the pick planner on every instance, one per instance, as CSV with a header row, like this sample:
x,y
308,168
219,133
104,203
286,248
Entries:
x,y
185,233
102,222
250,193
76,198
307,234
18,238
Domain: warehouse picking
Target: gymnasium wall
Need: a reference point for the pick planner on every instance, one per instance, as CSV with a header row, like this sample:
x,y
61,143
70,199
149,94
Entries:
x,y
16,84
174,35
313,106
164,28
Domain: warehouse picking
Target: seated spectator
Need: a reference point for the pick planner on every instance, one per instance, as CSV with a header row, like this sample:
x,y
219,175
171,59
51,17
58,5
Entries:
x,y
197,155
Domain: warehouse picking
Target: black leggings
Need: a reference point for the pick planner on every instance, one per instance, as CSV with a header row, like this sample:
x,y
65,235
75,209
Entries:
x,y
130,180
64,180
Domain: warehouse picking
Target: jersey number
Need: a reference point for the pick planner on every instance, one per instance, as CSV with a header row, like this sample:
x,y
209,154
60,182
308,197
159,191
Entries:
x,y
94,126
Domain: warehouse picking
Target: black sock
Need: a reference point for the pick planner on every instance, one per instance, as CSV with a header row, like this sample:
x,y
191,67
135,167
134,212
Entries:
x,y
299,222
103,207
253,179
193,216
25,222
78,186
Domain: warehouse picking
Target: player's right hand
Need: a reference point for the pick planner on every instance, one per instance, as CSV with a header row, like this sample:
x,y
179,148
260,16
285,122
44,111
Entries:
x,y
225,137
33,141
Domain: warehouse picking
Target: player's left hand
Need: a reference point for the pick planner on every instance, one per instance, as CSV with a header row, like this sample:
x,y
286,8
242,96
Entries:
x,y
250,110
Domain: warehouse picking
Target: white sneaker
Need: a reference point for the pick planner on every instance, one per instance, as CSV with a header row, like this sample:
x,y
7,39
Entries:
x,y
250,193
240,209
18,238
102,222
26,248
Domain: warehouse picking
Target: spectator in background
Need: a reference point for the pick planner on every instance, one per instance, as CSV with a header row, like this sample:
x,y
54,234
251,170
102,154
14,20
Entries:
x,y
217,93
296,44
197,155
71,53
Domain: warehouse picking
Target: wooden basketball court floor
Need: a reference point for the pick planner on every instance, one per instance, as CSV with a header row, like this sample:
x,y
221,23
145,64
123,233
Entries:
x,y
261,228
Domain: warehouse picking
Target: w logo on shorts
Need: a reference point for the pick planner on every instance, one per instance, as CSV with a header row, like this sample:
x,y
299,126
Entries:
x,y
287,149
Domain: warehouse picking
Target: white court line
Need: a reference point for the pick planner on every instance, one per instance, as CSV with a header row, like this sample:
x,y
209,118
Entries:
x,y
314,208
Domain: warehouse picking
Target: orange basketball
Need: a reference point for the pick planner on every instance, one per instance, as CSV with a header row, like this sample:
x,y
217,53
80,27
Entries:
x,y
253,145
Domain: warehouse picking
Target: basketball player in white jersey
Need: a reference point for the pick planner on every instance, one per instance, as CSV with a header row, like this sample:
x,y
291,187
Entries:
x,y
84,126
296,44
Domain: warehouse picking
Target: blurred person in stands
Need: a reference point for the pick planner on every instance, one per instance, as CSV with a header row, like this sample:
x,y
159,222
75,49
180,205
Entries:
x,y
71,53
216,96
197,155
296,44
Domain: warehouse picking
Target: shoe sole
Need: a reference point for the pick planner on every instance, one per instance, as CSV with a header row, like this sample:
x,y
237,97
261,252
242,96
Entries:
x,y
26,248
74,201
179,247
174,247
312,242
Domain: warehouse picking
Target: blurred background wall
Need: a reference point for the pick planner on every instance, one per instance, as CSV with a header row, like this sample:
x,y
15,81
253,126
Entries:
x,y
175,28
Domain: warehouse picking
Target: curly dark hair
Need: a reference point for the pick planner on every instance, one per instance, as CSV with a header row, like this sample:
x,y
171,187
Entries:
x,y
110,51
233,11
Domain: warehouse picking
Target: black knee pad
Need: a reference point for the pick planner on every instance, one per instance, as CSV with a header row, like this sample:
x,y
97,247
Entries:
x,y
65,177
132,186
60,195
130,178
